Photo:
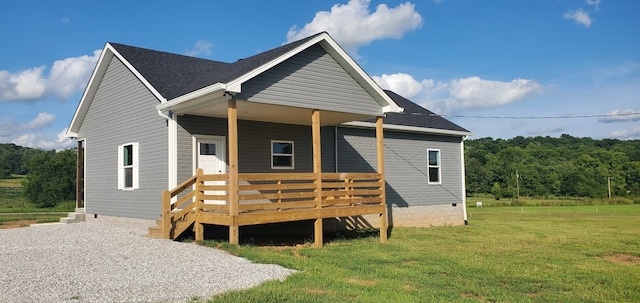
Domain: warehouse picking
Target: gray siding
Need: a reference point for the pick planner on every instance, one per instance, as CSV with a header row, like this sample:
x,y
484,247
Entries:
x,y
310,79
123,111
405,165
254,144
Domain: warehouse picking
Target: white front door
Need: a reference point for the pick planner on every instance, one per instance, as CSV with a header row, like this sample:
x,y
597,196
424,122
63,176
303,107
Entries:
x,y
210,157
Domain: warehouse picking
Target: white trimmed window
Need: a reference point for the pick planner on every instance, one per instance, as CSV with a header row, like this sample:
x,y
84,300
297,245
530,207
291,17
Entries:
x,y
128,166
282,154
433,166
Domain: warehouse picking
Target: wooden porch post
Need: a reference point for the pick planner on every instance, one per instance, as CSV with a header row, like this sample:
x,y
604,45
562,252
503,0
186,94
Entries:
x,y
232,117
380,151
317,169
166,214
198,227
80,175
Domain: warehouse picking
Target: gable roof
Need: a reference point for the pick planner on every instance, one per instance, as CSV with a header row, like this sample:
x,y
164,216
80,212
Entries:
x,y
182,80
175,75
415,118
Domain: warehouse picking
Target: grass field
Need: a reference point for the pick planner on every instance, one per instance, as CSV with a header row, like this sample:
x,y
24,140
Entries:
x,y
505,254
16,211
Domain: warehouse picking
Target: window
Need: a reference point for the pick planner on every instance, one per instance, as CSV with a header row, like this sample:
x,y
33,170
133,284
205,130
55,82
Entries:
x,y
433,166
208,149
282,154
128,166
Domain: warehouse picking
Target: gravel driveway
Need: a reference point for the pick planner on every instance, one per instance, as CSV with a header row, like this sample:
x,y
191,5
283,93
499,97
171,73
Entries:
x,y
98,262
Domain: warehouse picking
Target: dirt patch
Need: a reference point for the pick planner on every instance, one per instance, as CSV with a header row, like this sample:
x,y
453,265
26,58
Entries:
x,y
623,259
316,291
409,287
17,224
471,295
362,282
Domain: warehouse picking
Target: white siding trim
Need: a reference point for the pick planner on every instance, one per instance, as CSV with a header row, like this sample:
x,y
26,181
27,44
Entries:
x,y
120,167
172,133
108,52
463,176
135,166
410,129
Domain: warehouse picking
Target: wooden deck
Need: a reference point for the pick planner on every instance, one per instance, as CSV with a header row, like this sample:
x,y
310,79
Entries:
x,y
269,198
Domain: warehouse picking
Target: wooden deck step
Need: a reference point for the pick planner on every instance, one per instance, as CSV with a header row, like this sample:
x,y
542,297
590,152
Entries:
x,y
155,232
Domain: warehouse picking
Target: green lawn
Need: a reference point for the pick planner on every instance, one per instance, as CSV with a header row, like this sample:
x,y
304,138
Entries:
x,y
505,254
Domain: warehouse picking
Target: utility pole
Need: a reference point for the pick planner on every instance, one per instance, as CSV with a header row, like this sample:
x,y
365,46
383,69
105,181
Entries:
x,y
609,186
517,186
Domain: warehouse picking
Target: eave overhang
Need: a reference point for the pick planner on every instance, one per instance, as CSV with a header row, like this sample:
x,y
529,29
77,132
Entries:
x,y
409,129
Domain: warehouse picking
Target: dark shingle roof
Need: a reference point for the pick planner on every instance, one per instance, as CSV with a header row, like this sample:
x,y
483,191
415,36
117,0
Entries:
x,y
418,116
175,75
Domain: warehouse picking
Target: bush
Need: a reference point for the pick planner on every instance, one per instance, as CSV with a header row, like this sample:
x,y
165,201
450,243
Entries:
x,y
51,178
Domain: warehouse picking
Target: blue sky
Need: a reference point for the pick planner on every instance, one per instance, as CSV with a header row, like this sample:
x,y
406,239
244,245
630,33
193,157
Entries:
x,y
500,68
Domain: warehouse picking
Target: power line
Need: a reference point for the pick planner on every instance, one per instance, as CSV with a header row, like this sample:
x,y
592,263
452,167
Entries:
x,y
542,117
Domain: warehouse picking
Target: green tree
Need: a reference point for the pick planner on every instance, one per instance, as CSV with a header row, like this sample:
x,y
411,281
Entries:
x,y
51,178
496,191
5,170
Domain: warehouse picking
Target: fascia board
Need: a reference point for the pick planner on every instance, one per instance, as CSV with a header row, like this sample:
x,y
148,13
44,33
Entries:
x,y
211,89
137,74
411,129
334,49
89,92
235,85
108,52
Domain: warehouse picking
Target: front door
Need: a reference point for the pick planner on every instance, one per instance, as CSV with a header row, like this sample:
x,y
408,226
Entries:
x,y
210,157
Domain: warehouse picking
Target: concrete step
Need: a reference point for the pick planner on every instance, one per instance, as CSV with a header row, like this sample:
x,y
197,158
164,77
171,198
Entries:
x,y
74,217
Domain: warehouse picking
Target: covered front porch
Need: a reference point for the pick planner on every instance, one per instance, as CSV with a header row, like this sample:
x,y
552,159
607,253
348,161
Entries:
x,y
237,199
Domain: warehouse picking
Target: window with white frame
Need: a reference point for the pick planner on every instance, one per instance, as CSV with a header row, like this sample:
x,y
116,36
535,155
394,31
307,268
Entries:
x,y
282,154
128,166
433,166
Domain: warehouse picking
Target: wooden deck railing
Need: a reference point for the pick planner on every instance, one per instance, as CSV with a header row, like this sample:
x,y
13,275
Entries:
x,y
270,198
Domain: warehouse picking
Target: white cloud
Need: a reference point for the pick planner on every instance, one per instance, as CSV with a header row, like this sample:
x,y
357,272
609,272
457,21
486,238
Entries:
x,y
403,84
353,25
40,141
33,133
579,16
595,3
459,94
66,77
621,115
41,121
626,134
24,85
202,47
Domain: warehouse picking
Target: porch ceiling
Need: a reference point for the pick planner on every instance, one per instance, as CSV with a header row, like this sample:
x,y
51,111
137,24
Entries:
x,y
247,110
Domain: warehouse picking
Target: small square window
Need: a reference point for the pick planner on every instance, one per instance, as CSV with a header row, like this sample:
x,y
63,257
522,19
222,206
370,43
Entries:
x,y
282,154
208,149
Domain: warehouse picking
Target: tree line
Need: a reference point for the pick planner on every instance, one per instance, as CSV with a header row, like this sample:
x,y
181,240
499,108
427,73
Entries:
x,y
547,166
49,175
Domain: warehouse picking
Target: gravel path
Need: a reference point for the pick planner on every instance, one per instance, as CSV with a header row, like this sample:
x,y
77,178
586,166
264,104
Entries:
x,y
98,262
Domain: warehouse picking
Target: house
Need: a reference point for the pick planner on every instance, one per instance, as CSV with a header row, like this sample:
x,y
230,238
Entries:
x,y
299,132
